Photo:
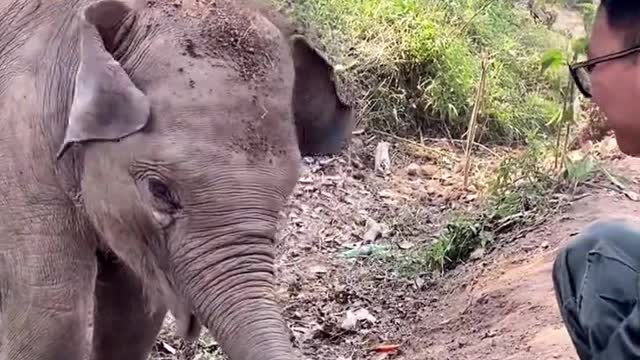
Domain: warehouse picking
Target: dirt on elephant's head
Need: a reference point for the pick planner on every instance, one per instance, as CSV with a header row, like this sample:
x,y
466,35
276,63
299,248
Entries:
x,y
231,31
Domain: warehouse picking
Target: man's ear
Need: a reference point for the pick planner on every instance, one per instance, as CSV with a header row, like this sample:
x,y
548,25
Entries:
x,y
323,122
106,104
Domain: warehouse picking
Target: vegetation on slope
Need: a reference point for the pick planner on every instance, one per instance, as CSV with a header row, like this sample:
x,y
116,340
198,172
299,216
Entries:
x,y
412,66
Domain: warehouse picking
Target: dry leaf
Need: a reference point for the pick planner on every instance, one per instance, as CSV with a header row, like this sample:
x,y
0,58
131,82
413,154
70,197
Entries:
x,y
389,348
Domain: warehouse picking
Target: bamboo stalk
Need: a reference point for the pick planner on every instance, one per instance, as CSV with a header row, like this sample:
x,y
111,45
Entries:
x,y
471,130
570,120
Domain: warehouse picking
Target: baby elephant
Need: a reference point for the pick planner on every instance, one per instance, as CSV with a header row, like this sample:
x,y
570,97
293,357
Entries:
x,y
145,152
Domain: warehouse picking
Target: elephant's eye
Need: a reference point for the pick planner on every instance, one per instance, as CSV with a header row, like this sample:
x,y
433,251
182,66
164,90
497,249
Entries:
x,y
162,192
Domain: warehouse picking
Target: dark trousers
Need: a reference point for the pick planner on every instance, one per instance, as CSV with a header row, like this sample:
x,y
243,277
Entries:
x,y
595,278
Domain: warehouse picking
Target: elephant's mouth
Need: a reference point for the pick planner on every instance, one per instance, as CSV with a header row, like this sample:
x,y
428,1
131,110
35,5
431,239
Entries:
x,y
188,327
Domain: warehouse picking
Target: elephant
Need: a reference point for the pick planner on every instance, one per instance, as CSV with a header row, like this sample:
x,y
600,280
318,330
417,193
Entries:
x,y
146,150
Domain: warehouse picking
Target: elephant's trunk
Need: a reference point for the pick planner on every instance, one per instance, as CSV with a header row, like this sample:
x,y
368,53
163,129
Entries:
x,y
230,282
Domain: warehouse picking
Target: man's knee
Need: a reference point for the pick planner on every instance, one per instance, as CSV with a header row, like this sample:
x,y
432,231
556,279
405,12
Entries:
x,y
617,230
617,235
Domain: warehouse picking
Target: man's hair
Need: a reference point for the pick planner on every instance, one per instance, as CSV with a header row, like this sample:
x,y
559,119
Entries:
x,y
624,16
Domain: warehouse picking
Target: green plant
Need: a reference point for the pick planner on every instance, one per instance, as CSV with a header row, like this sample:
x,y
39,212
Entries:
x,y
554,62
460,237
519,194
579,171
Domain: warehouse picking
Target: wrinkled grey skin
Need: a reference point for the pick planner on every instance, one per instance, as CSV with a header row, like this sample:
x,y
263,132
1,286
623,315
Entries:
x,y
146,179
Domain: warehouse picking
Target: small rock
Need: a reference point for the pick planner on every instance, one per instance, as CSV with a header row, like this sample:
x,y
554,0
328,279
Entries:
x,y
374,230
382,159
544,245
386,230
477,254
632,195
358,175
405,245
364,314
318,269
359,220
350,322
428,170
490,334
386,194
413,169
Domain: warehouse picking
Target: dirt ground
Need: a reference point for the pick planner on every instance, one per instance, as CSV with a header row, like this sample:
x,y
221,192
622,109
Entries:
x,y
499,306
506,309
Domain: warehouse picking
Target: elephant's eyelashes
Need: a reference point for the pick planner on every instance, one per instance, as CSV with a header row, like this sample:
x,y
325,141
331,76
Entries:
x,y
161,191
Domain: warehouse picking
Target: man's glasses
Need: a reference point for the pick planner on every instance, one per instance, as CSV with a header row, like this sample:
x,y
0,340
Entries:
x,y
581,71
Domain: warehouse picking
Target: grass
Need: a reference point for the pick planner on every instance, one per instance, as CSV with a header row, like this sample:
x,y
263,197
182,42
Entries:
x,y
411,66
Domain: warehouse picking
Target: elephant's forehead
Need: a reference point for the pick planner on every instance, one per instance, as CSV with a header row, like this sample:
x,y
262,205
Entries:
x,y
256,120
224,85
234,32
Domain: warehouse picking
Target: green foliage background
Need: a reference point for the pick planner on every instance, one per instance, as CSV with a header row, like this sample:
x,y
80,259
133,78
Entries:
x,y
413,65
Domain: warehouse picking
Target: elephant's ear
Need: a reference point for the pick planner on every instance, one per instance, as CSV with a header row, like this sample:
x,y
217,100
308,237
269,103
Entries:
x,y
106,103
323,121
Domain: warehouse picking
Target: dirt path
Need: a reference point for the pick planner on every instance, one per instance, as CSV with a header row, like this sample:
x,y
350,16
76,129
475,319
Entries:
x,y
508,309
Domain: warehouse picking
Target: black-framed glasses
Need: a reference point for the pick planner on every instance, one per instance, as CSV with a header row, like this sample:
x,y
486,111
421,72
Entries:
x,y
581,71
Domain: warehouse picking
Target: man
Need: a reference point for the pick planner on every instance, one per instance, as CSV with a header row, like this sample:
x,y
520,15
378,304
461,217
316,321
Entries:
x,y
596,277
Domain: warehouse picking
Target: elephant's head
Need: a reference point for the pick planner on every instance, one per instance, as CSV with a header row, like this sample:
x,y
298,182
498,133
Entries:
x,y
185,121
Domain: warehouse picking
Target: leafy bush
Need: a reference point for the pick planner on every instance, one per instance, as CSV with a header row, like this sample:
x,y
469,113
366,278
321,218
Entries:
x,y
414,65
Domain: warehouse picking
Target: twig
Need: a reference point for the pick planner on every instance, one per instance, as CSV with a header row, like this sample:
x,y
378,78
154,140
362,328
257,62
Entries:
x,y
417,144
459,141
482,8
600,186
508,221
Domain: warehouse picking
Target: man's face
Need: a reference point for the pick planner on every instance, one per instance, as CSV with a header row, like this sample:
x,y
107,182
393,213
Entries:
x,y
615,85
